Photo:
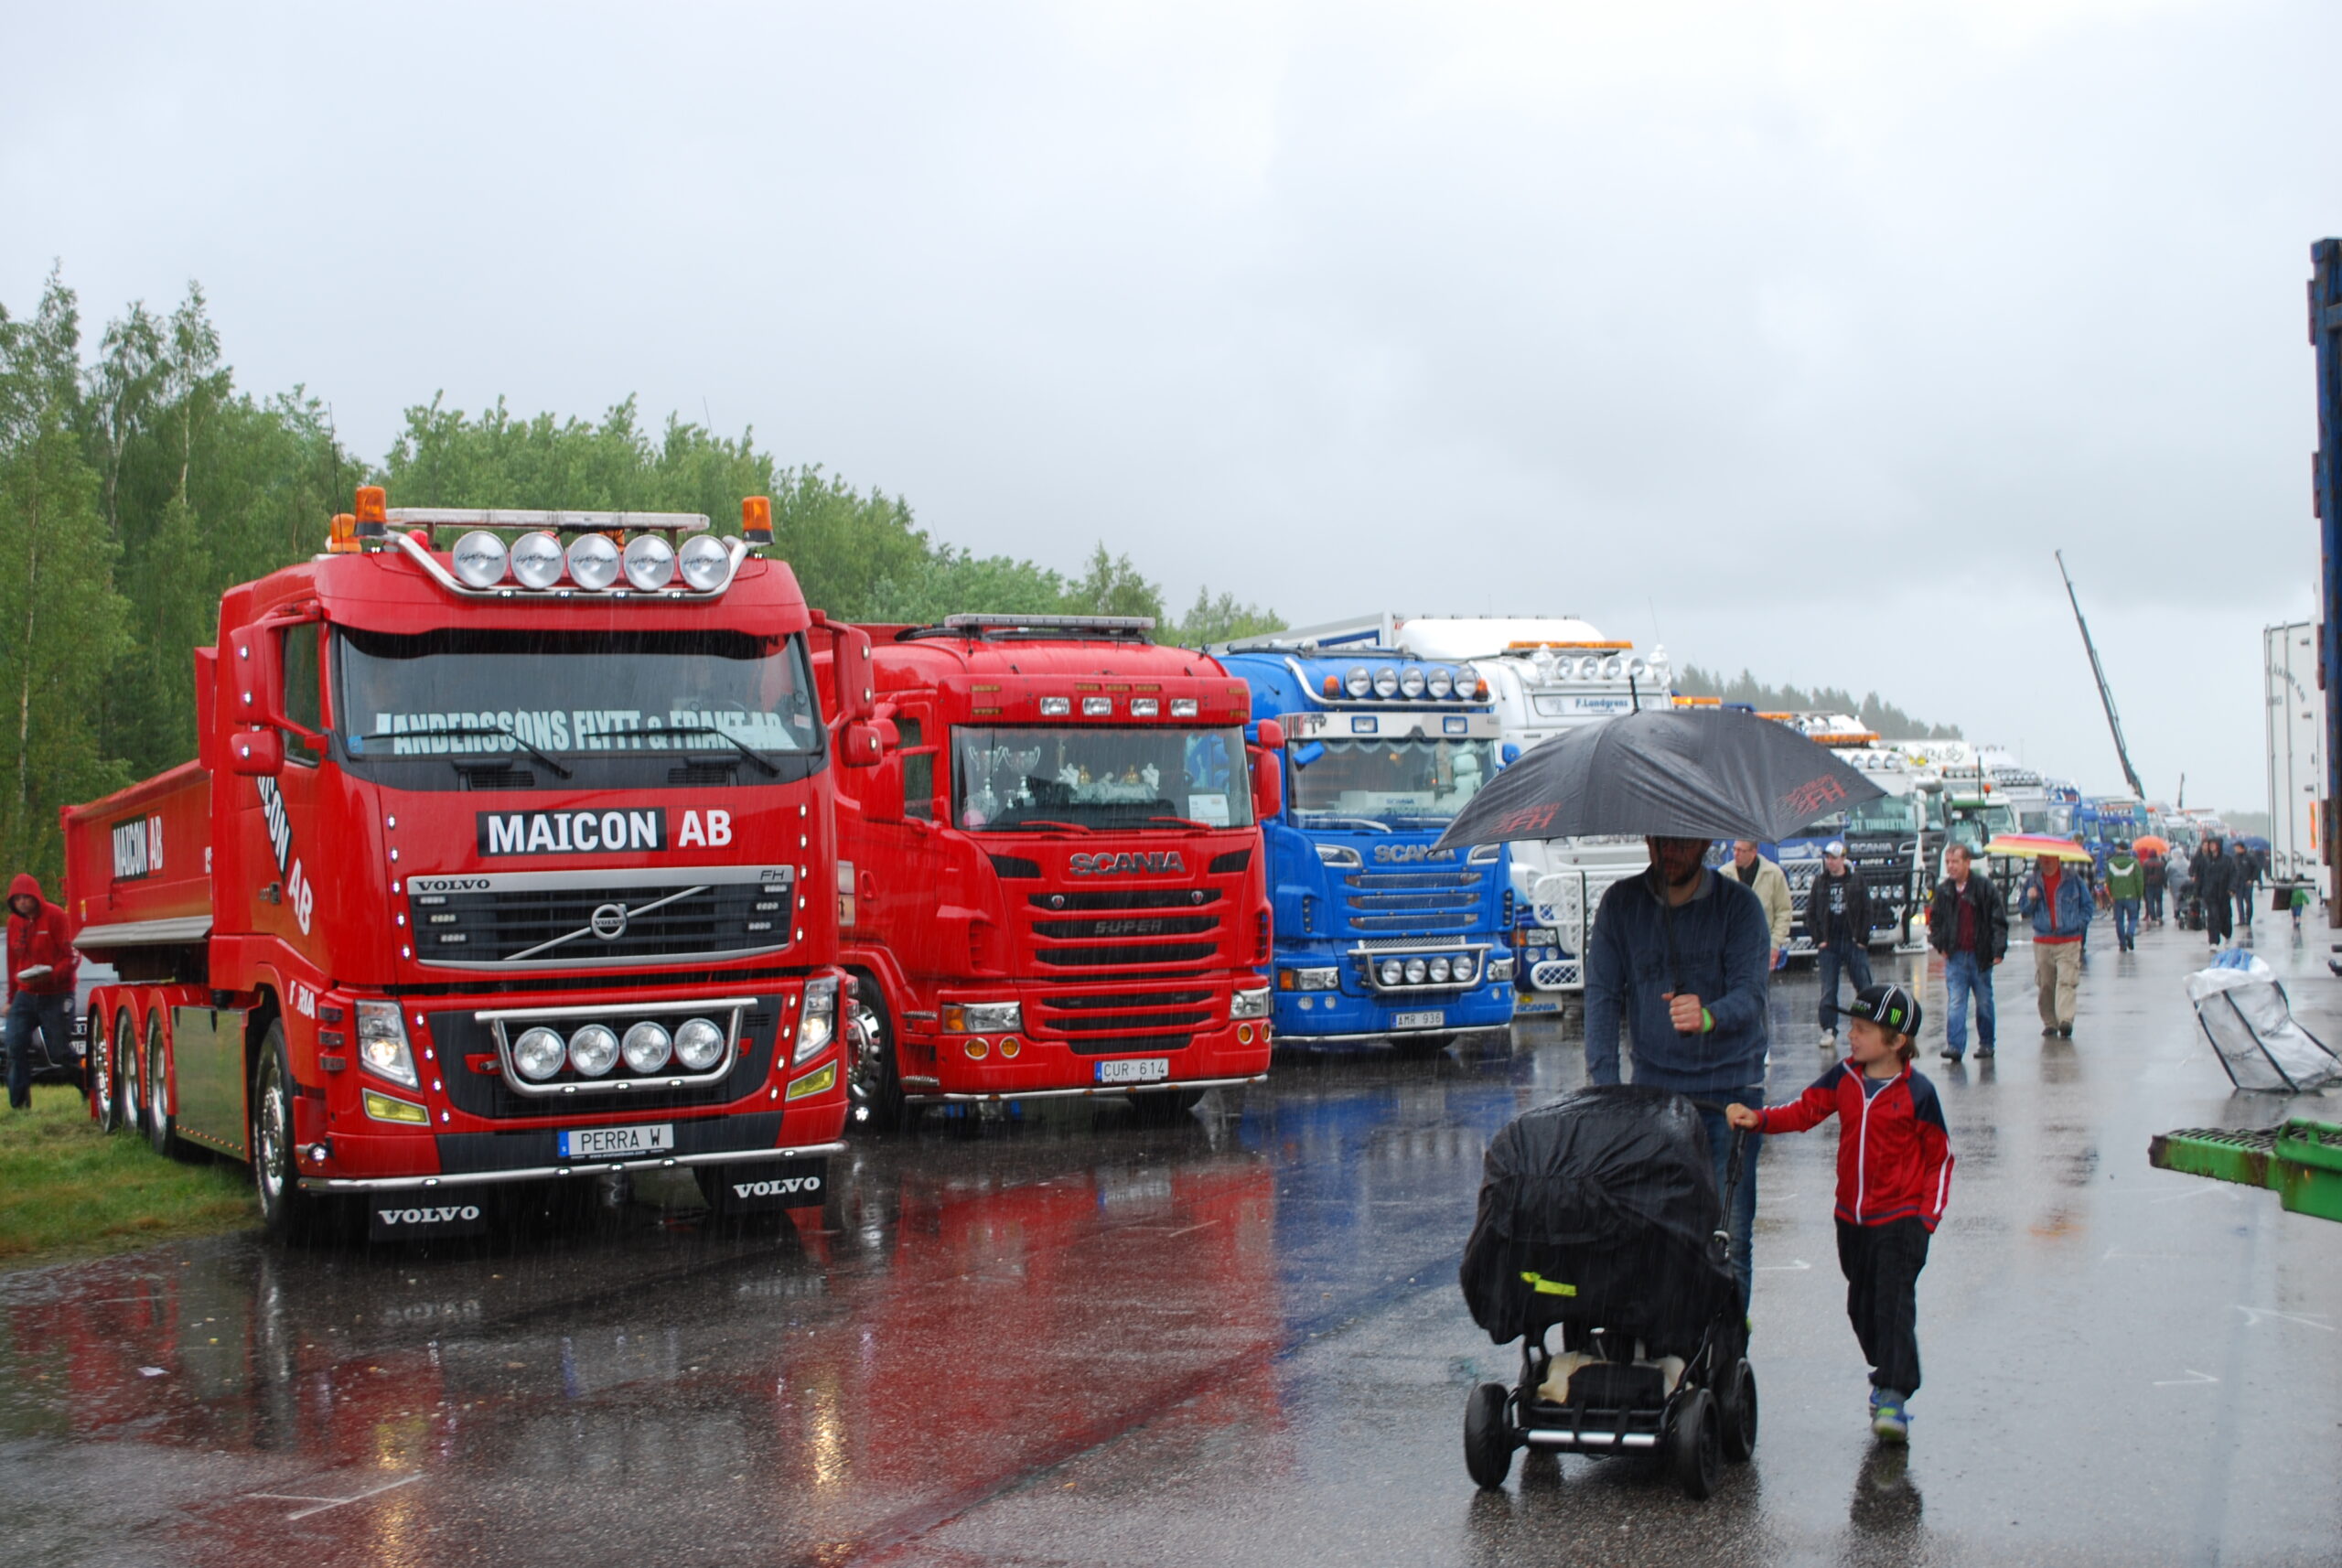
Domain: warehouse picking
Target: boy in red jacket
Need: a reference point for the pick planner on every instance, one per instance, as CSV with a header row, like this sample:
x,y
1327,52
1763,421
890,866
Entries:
x,y
1894,1174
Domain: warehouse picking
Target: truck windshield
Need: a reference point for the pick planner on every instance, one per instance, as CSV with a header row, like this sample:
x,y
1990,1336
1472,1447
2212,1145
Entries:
x,y
632,708
1887,814
1414,778
1004,780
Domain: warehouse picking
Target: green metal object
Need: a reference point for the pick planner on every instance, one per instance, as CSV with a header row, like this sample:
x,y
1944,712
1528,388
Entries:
x,y
2301,1161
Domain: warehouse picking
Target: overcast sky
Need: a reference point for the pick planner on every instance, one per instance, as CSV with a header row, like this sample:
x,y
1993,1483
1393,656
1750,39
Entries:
x,y
1794,334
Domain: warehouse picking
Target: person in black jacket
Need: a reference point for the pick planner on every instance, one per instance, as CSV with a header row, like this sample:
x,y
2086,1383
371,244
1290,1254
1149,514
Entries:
x,y
2244,876
1837,916
1968,923
2213,885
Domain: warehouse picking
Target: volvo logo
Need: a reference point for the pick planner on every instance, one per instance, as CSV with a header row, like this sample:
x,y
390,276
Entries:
x,y
608,922
1160,862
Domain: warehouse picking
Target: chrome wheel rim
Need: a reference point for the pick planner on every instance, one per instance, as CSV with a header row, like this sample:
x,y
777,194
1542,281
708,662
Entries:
x,y
268,1167
125,1059
869,1062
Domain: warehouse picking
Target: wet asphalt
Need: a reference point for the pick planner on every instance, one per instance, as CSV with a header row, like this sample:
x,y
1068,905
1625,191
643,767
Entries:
x,y
1073,1337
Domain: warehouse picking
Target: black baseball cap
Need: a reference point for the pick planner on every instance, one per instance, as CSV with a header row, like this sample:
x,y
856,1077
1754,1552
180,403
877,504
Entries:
x,y
1891,1007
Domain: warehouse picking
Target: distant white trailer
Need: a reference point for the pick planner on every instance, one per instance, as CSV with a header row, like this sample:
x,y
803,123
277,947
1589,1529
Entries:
x,y
2296,722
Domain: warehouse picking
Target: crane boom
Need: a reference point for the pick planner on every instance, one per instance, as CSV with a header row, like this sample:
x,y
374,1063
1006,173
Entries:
x,y
2105,693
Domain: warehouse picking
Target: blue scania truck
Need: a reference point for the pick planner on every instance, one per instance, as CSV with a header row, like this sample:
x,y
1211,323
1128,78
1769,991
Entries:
x,y
1379,939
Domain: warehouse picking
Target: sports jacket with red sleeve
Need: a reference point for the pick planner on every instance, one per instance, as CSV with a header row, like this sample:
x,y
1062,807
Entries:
x,y
1894,1152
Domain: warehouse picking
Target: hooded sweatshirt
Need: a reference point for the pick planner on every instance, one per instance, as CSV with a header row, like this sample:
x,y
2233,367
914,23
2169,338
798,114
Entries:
x,y
40,938
1714,947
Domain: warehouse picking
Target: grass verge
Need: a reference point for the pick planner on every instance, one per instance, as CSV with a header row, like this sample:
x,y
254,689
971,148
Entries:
x,y
67,1191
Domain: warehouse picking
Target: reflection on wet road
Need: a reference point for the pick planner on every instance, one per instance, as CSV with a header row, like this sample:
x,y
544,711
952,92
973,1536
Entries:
x,y
1074,1338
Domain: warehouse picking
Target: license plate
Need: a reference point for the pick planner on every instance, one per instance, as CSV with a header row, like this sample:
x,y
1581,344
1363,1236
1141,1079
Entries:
x,y
1418,1020
1142,1070
617,1143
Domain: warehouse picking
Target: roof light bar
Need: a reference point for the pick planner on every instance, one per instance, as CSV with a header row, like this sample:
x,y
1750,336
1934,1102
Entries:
x,y
565,522
1047,623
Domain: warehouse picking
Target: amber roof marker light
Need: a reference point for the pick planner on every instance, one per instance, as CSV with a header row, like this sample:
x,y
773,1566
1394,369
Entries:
x,y
755,520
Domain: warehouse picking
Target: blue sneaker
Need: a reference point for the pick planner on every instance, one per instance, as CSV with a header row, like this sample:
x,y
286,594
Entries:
x,y
1888,1417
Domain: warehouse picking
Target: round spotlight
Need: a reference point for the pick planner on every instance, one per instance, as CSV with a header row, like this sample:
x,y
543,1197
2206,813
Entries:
x,y
1638,668
1439,971
1411,682
1612,668
699,1044
1394,972
1439,683
1386,682
592,560
650,562
648,1046
592,1050
1358,682
1461,970
538,1054
536,559
705,563
1417,970
478,559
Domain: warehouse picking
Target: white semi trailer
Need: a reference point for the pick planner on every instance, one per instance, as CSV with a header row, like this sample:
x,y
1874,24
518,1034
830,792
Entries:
x,y
2294,721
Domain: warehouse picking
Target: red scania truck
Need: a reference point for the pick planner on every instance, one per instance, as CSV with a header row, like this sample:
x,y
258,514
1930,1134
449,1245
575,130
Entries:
x,y
1052,881
504,862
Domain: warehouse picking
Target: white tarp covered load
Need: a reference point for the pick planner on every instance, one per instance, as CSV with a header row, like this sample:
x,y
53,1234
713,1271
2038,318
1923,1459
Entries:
x,y
2245,1015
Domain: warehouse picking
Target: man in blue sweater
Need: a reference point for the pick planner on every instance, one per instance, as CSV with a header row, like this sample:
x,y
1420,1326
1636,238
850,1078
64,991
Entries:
x,y
1679,957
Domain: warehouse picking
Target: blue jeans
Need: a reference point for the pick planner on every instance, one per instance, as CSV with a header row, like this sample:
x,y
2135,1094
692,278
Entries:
x,y
1741,1219
1967,974
29,1011
2126,921
1854,959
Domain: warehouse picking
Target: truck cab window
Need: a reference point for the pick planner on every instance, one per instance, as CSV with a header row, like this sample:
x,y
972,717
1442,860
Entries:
x,y
919,769
303,703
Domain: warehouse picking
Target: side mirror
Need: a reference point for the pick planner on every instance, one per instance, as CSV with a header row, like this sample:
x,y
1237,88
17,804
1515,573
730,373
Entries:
x,y
256,753
1307,752
1268,781
864,741
249,666
855,674
1271,736
1511,754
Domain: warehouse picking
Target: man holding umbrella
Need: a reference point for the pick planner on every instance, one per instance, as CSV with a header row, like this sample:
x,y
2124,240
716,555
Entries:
x,y
1680,956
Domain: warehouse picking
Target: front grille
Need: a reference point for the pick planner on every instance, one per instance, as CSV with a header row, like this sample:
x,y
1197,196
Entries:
x,y
1422,901
476,1084
1103,1023
486,776
563,920
1115,927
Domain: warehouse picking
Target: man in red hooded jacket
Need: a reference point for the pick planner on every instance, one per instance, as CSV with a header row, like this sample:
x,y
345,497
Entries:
x,y
41,967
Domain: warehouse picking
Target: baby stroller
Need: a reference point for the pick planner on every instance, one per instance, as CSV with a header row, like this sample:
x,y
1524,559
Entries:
x,y
2191,912
1599,1213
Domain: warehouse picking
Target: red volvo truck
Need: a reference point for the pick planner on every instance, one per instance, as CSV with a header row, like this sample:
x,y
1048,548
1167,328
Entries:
x,y
500,862
1052,882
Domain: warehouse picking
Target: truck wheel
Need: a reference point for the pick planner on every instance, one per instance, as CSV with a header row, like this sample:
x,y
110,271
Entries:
x,y
291,1215
126,1073
162,1127
103,1101
873,1075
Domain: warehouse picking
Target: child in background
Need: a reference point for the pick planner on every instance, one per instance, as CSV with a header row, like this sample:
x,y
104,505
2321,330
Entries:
x,y
1894,1174
2297,903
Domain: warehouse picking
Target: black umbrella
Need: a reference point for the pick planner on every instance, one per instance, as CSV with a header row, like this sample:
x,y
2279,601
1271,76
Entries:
x,y
1704,773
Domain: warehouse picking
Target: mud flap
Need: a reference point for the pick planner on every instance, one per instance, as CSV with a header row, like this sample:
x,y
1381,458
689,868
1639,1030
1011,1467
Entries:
x,y
782,1184
401,1218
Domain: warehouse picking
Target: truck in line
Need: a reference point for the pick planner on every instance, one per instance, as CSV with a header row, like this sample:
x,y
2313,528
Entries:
x,y
1052,883
2294,720
508,860
1380,938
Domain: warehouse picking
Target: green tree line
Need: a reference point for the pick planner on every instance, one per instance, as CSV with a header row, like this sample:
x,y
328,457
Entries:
x,y
138,481
1875,712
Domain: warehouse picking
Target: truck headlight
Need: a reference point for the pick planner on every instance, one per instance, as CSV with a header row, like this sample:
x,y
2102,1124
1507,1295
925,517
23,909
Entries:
x,y
382,1043
984,1018
817,1022
1500,968
1309,980
1484,855
1252,1002
1338,855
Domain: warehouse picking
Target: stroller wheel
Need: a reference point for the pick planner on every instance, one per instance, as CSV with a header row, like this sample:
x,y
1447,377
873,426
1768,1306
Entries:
x,y
1696,1444
1488,1444
1740,1413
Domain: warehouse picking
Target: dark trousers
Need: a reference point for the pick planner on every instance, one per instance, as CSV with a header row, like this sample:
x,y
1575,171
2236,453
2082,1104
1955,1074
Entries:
x,y
2154,903
1854,959
1741,1218
28,1011
2244,908
1881,1264
2217,909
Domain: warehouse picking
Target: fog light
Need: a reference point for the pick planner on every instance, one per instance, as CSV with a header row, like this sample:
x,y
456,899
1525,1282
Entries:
x,y
1009,1048
1438,971
592,1050
1243,1034
814,1082
1393,972
1461,970
1416,971
699,1044
317,1153
382,1108
977,1049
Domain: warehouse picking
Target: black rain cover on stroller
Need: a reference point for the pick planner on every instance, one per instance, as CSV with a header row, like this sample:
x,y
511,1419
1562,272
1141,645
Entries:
x,y
1608,1196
